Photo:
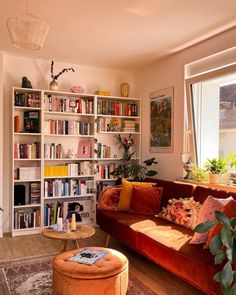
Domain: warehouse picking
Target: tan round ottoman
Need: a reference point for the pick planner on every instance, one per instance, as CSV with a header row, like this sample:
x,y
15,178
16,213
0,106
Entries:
x,y
108,276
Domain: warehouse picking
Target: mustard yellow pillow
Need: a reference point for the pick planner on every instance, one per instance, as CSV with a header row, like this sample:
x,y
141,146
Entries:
x,y
126,193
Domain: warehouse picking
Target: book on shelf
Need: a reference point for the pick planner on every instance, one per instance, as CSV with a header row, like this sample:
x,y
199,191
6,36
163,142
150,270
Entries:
x,y
82,208
84,149
34,192
27,150
53,151
67,127
29,173
27,218
103,151
31,122
19,194
104,171
26,100
88,256
106,107
69,105
72,169
67,187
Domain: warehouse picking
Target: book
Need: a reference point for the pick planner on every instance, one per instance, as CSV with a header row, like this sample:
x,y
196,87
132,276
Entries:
x,y
88,256
31,121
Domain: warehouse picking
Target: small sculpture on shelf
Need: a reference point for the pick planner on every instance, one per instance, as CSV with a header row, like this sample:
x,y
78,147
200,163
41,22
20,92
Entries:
x,y
53,84
26,83
188,166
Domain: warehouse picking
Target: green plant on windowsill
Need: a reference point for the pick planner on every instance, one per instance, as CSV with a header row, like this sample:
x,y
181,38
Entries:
x,y
218,168
223,247
199,174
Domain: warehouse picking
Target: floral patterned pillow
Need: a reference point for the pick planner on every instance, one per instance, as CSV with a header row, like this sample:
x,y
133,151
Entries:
x,y
183,211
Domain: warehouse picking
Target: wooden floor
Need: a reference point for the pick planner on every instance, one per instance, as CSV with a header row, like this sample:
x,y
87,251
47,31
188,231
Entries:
x,y
153,276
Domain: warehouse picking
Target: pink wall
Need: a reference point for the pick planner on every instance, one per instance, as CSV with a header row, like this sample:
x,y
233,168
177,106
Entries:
x,y
170,72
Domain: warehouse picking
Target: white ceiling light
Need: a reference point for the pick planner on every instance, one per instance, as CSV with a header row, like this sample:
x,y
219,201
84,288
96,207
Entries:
x,y
27,31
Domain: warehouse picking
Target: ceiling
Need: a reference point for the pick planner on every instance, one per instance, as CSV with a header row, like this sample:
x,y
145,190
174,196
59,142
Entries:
x,y
119,34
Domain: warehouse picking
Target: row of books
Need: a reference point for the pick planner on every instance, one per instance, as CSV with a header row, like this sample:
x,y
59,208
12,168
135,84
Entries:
x,y
105,107
67,127
73,169
27,100
104,171
27,150
27,193
52,211
70,105
67,188
53,151
129,126
27,173
27,218
103,151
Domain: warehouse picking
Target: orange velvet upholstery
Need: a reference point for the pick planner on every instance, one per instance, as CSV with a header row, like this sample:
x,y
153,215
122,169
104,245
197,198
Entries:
x,y
109,274
166,243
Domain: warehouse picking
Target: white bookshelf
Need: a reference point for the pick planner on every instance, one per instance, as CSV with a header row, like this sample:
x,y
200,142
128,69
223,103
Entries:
x,y
81,108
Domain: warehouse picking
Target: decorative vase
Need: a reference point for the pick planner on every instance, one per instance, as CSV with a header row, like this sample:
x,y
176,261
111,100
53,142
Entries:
x,y
73,222
124,89
53,85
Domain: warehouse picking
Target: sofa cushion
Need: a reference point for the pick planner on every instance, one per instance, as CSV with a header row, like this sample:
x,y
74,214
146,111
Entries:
x,y
230,210
207,213
145,200
109,198
173,189
126,193
181,211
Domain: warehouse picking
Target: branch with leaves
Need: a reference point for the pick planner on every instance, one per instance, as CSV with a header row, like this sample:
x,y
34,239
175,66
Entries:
x,y
223,247
55,77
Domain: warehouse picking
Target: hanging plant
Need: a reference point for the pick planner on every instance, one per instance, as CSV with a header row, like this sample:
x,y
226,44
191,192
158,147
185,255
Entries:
x,y
55,77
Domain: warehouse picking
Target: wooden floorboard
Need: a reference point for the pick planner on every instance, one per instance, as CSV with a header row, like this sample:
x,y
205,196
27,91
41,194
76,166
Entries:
x,y
156,278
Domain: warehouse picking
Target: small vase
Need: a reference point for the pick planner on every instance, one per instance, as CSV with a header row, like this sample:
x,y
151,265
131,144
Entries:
x,y
73,222
53,85
124,89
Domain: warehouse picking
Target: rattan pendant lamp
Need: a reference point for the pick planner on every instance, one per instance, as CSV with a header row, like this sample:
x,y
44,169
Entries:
x,y
27,31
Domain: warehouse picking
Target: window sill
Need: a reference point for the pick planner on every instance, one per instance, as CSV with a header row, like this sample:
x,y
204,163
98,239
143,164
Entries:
x,y
229,188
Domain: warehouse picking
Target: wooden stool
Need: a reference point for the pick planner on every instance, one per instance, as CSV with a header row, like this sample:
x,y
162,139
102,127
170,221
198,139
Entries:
x,y
107,276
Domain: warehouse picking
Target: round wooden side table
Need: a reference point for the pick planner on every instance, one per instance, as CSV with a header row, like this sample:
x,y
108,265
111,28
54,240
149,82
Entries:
x,y
81,232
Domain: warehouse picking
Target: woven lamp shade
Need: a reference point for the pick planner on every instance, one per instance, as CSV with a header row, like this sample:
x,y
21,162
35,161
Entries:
x,y
27,31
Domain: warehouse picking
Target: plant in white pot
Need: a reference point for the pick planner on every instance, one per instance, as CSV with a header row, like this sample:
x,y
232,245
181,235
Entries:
x,y
218,168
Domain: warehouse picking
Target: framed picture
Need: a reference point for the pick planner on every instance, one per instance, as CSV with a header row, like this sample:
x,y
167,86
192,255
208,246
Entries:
x,y
84,149
161,120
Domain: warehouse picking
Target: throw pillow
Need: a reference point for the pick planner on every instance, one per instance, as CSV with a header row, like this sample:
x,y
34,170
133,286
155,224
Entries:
x,y
126,193
183,211
109,198
207,213
146,200
229,210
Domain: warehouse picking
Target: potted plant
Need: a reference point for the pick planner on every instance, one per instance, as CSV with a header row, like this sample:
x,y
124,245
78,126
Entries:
x,y
223,247
199,174
128,167
218,168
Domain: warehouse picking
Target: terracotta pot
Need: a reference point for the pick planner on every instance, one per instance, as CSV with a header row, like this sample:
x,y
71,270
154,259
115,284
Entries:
x,y
219,178
53,85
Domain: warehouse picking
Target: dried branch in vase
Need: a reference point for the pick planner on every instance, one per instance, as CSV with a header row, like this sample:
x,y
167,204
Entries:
x,y
55,77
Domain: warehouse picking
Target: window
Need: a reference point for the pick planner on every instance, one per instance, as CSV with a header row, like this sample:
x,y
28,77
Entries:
x,y
212,109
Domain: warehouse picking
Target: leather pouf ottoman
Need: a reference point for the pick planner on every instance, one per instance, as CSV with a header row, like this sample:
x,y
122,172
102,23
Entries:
x,y
108,276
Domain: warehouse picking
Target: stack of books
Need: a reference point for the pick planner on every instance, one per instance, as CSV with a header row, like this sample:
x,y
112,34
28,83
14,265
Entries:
x,y
129,126
28,173
35,193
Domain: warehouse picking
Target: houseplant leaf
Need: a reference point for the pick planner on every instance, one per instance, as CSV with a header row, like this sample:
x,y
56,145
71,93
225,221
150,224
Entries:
x,y
151,173
233,221
219,258
204,227
227,275
217,277
226,236
222,218
215,244
233,290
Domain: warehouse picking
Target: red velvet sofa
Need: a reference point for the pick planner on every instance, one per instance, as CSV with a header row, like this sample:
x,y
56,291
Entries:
x,y
166,243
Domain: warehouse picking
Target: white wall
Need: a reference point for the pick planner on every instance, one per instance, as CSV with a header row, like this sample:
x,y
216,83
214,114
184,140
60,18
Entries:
x,y
1,140
38,72
170,72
